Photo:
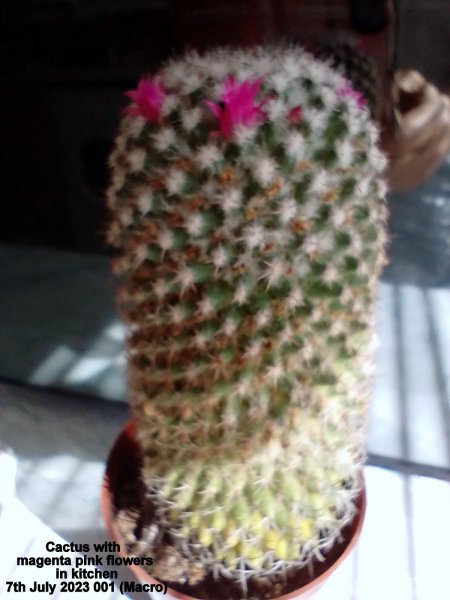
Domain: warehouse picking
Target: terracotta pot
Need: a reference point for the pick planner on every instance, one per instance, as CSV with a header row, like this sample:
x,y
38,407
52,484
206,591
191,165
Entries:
x,y
123,466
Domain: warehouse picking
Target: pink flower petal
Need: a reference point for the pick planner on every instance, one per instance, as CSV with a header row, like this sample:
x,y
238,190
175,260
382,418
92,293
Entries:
x,y
295,115
147,99
214,108
347,91
238,105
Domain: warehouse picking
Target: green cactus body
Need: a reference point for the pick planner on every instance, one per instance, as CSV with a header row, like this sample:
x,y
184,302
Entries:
x,y
250,237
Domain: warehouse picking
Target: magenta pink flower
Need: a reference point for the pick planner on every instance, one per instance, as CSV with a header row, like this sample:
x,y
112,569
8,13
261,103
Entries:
x,y
238,105
295,115
147,99
347,91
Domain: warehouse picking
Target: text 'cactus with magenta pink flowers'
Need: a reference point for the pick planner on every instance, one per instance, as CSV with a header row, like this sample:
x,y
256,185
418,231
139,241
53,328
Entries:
x,y
247,212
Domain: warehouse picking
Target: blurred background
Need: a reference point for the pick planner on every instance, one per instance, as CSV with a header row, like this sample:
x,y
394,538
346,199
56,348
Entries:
x,y
65,65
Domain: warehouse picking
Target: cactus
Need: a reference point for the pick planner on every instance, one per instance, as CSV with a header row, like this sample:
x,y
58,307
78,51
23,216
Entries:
x,y
247,212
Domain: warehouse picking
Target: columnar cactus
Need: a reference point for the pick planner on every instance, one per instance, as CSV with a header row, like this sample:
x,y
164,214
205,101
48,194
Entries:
x,y
247,210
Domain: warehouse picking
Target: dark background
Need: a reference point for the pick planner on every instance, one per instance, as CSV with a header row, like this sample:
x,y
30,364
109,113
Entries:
x,y
65,64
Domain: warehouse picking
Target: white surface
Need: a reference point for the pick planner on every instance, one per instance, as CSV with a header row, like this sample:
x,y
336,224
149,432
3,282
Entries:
x,y
425,420
382,569
413,349
385,417
431,532
440,306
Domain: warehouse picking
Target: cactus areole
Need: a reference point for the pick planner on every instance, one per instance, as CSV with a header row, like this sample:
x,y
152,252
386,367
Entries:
x,y
247,210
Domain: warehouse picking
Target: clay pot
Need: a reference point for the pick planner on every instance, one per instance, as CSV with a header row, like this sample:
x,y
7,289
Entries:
x,y
123,466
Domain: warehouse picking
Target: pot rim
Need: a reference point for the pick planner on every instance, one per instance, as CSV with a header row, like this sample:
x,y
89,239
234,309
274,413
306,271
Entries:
x,y
107,510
